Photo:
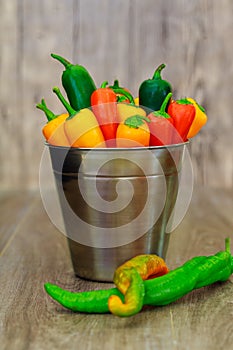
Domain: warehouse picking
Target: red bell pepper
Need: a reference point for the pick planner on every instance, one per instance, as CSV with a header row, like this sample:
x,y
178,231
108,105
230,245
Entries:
x,y
104,106
183,113
161,125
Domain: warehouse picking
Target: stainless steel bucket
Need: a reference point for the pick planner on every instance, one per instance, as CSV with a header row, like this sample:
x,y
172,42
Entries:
x,y
115,203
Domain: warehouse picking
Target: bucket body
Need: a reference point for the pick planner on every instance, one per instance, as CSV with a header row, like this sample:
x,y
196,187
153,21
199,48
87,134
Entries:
x,y
115,203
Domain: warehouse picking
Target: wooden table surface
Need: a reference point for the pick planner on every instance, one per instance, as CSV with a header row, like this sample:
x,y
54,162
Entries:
x,y
33,252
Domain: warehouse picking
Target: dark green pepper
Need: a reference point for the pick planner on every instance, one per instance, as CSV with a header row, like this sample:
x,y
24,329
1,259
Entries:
x,y
152,92
77,83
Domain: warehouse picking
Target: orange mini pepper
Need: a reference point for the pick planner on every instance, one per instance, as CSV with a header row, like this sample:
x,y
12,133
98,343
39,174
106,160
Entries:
x,y
133,132
54,131
199,121
81,127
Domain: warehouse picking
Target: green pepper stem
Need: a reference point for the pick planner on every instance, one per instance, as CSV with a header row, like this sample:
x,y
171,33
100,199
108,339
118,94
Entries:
x,y
201,107
49,114
227,245
184,101
165,102
157,73
67,106
135,121
124,93
115,84
66,63
104,84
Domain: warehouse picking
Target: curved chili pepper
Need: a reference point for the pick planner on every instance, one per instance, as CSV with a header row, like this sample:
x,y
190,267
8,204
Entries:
x,y
161,125
122,92
183,113
82,128
128,279
152,92
195,273
77,83
53,131
104,106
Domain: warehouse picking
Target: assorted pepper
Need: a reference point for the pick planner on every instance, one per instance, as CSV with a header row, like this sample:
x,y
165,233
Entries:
x,y
199,121
183,114
151,119
53,131
197,272
104,106
161,125
81,127
152,92
133,132
77,83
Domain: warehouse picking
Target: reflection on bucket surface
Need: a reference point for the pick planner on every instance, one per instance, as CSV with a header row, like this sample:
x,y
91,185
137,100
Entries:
x,y
115,203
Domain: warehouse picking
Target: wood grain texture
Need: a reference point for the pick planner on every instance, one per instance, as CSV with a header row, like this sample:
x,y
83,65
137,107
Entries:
x,y
38,253
115,39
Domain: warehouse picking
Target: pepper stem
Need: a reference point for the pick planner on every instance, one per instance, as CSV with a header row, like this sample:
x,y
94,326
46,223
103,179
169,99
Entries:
x,y
104,84
43,107
227,245
135,121
66,63
124,93
115,84
67,106
157,73
165,102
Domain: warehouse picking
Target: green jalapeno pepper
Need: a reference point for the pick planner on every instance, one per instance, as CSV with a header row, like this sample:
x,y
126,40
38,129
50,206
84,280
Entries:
x,y
77,83
152,92
197,272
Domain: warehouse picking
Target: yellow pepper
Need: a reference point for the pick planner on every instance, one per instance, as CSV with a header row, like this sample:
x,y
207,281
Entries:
x,y
126,110
136,101
54,131
199,121
81,128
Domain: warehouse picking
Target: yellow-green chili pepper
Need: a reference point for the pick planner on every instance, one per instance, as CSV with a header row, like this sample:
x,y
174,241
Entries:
x,y
129,277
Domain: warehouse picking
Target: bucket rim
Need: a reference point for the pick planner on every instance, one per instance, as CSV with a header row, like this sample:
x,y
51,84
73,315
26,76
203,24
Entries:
x,y
117,149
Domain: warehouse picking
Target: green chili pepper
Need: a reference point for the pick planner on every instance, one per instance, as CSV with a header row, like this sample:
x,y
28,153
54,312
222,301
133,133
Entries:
x,y
122,93
196,273
77,83
152,92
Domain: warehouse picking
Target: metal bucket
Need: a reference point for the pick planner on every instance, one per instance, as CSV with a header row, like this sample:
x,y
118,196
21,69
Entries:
x,y
115,203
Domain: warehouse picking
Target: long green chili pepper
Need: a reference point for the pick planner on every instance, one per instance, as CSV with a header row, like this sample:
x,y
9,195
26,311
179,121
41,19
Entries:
x,y
77,83
197,272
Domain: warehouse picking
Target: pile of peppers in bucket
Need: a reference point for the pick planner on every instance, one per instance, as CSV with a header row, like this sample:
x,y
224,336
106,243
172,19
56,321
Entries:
x,y
109,116
146,280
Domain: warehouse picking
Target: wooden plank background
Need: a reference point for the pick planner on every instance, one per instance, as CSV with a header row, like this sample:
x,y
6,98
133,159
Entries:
x,y
115,39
